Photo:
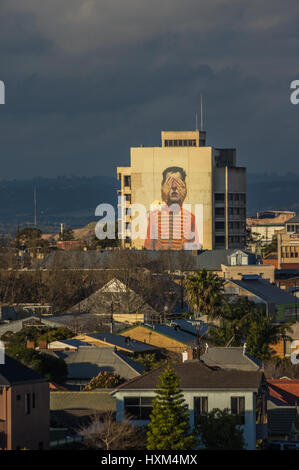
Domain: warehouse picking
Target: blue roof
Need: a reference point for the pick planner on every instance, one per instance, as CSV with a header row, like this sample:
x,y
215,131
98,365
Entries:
x,y
190,326
265,291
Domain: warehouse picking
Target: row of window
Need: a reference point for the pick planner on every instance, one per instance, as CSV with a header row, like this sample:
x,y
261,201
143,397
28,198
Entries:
x,y
220,211
289,254
220,239
291,228
140,408
183,143
220,197
231,225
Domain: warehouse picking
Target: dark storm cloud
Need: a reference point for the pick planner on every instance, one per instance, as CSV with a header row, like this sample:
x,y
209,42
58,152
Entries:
x,y
87,79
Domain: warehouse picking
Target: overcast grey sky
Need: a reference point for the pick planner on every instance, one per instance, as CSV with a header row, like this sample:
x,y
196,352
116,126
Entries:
x,y
87,79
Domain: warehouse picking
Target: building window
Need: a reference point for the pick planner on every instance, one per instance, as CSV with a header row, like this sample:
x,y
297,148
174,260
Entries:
x,y
219,226
238,408
219,197
219,211
18,397
27,403
200,409
33,400
127,181
128,198
138,408
219,240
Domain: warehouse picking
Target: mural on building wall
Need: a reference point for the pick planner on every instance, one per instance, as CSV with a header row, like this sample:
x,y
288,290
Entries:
x,y
171,223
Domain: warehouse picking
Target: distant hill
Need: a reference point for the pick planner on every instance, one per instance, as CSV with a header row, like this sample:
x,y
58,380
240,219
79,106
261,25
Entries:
x,y
74,200
68,200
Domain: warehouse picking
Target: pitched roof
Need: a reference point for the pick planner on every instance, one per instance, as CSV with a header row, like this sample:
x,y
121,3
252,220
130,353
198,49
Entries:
x,y
190,326
281,420
293,219
230,358
13,372
284,392
264,290
170,331
122,342
197,375
87,362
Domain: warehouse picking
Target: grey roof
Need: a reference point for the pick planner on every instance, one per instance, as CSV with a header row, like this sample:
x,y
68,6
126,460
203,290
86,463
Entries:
x,y
198,376
87,362
230,358
293,219
14,372
73,342
190,326
281,419
172,260
119,341
265,291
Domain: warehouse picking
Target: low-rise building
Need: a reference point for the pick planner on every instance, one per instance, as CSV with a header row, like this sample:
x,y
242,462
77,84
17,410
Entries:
x,y
24,407
276,302
288,245
242,392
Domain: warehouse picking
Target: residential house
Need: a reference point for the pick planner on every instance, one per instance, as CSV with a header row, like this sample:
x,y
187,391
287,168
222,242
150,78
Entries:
x,y
288,347
230,358
134,300
170,338
88,361
243,392
283,406
275,301
126,344
24,407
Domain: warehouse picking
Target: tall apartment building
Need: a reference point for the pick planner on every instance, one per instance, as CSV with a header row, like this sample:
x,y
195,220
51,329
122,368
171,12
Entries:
x,y
213,183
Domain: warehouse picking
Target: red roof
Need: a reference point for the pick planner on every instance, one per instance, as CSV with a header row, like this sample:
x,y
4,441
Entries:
x,y
286,391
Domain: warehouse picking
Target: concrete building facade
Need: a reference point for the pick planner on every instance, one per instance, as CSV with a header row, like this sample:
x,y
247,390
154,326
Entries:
x,y
213,182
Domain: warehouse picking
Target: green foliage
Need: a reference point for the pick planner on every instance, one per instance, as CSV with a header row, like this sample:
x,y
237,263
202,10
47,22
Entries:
x,y
220,431
57,334
66,235
104,379
169,420
204,292
51,367
149,361
244,321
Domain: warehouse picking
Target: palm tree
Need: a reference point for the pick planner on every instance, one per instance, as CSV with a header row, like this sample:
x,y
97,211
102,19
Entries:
x,y
204,293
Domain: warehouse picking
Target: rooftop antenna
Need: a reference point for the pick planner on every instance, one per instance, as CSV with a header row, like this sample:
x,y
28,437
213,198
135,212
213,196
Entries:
x,y
201,114
196,123
35,218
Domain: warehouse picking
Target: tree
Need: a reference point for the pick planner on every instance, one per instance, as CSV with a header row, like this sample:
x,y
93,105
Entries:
x,y
220,431
104,379
169,420
51,367
66,235
243,321
204,292
111,435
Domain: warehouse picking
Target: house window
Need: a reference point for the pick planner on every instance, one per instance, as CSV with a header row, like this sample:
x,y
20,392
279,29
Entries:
x,y
200,409
33,400
27,403
138,408
238,408
18,397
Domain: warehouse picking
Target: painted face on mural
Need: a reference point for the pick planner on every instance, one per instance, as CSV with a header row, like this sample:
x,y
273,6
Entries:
x,y
174,188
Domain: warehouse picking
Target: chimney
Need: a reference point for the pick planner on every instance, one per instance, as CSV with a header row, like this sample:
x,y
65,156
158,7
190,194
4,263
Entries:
x,y
42,344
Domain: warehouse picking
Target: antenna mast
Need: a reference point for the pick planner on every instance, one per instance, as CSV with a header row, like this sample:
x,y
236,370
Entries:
x,y
201,114
35,218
